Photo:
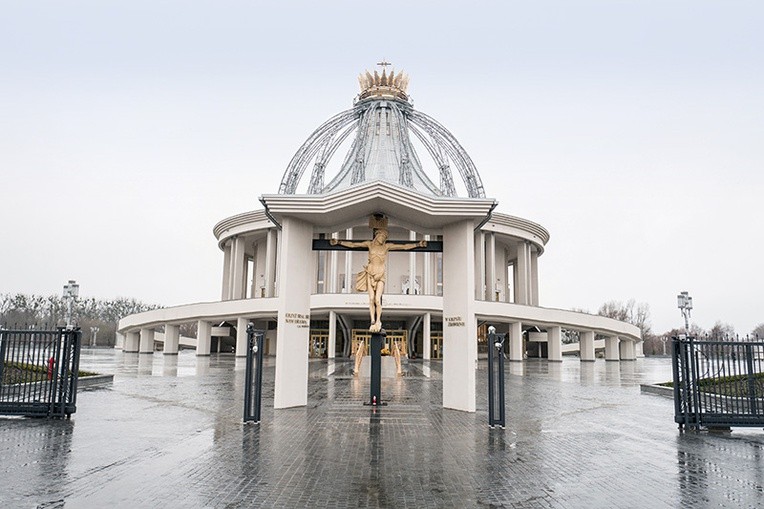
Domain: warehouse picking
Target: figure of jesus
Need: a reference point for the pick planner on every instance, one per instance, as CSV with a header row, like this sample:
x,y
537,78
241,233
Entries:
x,y
372,277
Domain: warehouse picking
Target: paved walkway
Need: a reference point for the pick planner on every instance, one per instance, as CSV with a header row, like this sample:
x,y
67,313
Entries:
x,y
168,433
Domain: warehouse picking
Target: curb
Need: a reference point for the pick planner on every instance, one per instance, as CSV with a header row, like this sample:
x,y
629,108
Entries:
x,y
658,390
87,382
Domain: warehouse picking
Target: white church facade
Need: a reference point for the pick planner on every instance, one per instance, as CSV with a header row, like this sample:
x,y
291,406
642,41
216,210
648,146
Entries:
x,y
437,302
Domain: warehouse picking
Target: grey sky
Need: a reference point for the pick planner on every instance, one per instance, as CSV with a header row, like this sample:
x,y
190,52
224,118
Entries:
x,y
632,130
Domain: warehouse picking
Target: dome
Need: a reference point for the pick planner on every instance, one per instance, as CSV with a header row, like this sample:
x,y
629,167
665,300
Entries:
x,y
381,124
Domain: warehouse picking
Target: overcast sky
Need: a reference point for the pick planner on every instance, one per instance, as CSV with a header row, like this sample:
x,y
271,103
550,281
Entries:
x,y
632,130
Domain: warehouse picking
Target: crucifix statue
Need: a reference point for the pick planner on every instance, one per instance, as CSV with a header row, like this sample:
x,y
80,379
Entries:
x,y
372,278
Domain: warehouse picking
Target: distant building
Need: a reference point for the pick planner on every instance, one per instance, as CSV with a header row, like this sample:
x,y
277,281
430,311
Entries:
x,y
487,272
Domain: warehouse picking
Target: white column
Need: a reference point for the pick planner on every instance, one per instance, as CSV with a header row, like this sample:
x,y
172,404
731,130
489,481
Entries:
x,y
516,350
534,286
291,384
638,350
479,275
254,290
238,273
349,280
427,337
331,347
171,339
132,341
241,336
459,327
427,287
119,342
627,350
521,270
226,294
270,263
586,346
611,348
333,265
147,341
412,264
554,344
490,267
203,338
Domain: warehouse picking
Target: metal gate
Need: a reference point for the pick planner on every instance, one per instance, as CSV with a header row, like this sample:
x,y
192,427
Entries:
x,y
718,383
253,383
39,372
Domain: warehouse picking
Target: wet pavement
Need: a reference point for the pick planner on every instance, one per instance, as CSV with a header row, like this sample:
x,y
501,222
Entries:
x,y
168,433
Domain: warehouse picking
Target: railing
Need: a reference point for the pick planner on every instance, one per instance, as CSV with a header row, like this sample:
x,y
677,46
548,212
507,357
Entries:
x,y
718,384
39,371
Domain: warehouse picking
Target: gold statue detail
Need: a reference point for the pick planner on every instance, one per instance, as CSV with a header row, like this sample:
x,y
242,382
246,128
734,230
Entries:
x,y
372,278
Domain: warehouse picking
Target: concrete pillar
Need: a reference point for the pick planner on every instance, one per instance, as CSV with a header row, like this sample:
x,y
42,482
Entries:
x,y
427,286
611,348
291,383
226,292
554,343
254,290
459,327
270,263
586,346
412,264
147,341
333,265
427,337
132,341
171,339
479,266
516,350
638,350
238,266
534,286
627,350
521,270
490,267
331,347
241,336
119,342
203,338
349,279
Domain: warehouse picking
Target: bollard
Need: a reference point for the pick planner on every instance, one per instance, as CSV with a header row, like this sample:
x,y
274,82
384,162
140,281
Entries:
x,y
496,415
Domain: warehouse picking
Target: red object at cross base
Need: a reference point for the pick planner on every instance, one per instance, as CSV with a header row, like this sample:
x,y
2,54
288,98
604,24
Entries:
x,y
51,364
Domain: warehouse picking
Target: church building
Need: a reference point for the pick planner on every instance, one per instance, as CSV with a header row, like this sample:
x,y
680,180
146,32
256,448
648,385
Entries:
x,y
381,158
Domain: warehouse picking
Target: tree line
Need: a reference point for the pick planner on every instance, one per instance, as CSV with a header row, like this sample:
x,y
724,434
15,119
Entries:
x,y
657,344
24,311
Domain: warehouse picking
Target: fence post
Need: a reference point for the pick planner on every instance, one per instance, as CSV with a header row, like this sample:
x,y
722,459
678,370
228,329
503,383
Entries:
x,y
253,383
3,342
677,383
751,380
496,412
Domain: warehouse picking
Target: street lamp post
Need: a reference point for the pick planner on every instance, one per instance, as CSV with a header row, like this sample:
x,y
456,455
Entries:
x,y
71,291
94,335
684,303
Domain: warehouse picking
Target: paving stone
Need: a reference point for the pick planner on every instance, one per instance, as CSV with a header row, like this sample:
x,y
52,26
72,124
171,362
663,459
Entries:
x,y
169,433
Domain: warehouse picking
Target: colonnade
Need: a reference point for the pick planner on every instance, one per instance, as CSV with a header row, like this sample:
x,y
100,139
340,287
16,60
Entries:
x,y
238,252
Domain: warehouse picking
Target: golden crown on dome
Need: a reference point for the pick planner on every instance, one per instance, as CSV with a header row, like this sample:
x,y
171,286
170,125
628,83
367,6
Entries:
x,y
392,85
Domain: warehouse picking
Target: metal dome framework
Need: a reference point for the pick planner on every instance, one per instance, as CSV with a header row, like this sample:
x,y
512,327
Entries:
x,y
400,119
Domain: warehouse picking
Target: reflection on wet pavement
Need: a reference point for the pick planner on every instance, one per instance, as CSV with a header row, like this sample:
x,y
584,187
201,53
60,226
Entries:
x,y
168,433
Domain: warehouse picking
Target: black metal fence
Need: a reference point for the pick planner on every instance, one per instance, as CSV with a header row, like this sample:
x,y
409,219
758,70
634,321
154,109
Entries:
x,y
39,371
718,384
